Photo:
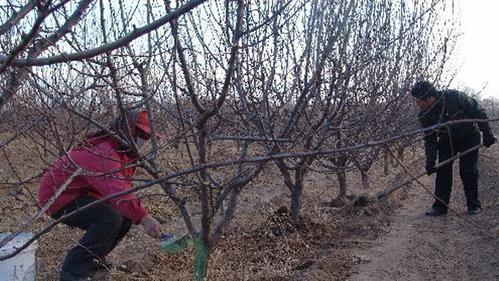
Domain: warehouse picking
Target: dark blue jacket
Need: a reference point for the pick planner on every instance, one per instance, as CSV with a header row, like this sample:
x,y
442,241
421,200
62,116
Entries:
x,y
451,105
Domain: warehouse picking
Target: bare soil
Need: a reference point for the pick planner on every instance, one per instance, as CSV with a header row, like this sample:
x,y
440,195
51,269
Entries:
x,y
453,247
383,241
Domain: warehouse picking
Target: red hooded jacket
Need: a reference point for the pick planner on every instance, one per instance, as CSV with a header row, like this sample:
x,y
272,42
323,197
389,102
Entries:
x,y
104,173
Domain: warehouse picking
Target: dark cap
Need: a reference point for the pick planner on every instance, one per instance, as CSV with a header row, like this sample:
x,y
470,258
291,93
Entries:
x,y
423,89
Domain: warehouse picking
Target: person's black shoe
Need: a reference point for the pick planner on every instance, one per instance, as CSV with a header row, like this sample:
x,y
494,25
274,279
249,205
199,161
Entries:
x,y
435,212
474,210
66,276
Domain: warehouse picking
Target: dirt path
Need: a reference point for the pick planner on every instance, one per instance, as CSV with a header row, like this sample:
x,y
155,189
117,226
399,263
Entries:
x,y
443,248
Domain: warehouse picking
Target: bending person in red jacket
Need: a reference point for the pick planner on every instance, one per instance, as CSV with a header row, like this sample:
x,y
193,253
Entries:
x,y
107,165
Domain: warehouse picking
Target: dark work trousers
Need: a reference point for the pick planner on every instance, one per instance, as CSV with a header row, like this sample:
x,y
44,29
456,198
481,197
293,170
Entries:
x,y
467,169
104,226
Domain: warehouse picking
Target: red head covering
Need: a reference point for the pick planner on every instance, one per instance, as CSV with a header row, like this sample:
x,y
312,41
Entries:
x,y
144,124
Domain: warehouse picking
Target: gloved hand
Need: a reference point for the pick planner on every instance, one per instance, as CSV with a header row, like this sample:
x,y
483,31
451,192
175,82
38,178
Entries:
x,y
430,168
488,139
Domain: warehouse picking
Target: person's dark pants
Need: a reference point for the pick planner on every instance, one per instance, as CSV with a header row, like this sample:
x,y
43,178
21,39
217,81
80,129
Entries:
x,y
467,169
104,226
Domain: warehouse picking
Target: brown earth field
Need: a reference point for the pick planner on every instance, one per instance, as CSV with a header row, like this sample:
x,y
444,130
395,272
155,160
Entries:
x,y
390,240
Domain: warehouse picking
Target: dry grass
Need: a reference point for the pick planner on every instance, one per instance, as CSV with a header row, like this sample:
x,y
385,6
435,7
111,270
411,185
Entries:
x,y
262,243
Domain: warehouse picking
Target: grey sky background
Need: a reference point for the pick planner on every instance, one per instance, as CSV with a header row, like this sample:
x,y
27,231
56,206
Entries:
x,y
477,50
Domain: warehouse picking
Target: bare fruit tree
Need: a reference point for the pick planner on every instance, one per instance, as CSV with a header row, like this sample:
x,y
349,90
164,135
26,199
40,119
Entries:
x,y
233,86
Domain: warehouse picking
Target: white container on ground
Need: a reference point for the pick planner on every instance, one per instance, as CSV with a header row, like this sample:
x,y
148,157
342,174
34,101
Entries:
x,y
21,267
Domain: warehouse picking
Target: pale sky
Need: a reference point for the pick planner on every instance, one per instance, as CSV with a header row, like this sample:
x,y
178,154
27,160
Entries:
x,y
477,53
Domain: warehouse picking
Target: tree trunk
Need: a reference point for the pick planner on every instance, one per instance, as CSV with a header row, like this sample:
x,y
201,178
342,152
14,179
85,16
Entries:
x,y
364,179
201,259
296,193
386,161
400,154
342,184
340,200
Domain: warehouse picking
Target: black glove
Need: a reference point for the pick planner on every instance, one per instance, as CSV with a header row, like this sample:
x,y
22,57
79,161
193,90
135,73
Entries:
x,y
430,168
488,139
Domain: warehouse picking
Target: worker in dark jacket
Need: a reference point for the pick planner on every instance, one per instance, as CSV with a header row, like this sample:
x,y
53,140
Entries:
x,y
444,106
